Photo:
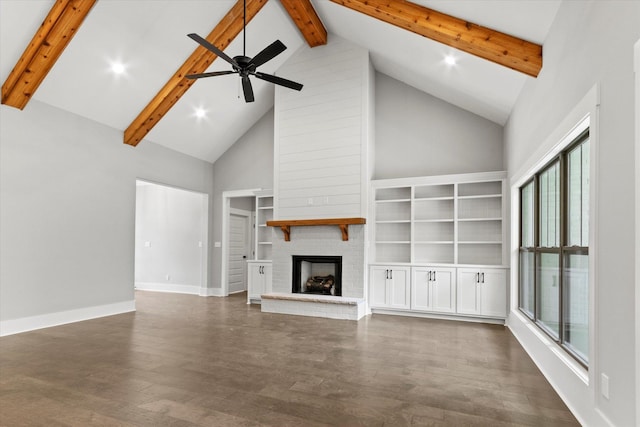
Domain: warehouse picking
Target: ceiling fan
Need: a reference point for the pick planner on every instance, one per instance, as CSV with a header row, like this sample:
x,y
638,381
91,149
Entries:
x,y
245,66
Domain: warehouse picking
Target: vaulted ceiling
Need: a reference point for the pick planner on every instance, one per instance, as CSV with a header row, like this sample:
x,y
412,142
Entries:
x,y
152,100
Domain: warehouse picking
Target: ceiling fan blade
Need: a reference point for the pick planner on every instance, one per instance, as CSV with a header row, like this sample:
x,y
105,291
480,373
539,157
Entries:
x,y
211,74
247,89
279,81
205,43
268,53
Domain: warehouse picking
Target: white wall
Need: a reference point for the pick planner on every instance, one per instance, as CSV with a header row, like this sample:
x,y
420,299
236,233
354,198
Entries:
x,y
591,42
420,135
247,164
170,244
67,209
322,133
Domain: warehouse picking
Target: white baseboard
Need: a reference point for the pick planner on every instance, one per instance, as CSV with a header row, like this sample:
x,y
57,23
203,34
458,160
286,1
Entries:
x,y
168,287
179,289
211,292
24,324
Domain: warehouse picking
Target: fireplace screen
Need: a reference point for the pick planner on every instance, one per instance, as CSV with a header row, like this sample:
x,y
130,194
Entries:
x,y
316,274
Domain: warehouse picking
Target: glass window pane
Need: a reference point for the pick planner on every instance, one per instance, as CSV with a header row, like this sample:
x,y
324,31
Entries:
x,y
527,282
585,193
527,196
576,304
578,195
548,287
550,206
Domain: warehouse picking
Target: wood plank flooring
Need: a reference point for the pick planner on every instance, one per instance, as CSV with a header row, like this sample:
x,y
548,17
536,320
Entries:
x,y
184,360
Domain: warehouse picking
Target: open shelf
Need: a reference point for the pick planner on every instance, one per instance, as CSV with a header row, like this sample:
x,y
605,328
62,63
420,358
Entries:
x,y
429,220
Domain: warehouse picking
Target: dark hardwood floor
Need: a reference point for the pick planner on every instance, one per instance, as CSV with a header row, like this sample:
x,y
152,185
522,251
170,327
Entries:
x,y
186,360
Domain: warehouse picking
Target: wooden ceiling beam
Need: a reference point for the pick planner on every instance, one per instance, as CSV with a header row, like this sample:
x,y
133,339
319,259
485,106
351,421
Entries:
x,y
46,46
492,45
307,20
221,36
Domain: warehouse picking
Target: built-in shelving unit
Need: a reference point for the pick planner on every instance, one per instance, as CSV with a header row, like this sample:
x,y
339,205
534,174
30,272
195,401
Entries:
x,y
264,233
454,219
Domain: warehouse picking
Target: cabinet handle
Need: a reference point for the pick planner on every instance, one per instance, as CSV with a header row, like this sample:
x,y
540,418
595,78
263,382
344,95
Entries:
x,y
434,276
477,277
386,274
482,277
391,274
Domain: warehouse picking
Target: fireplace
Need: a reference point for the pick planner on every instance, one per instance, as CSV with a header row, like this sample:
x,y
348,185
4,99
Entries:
x,y
315,274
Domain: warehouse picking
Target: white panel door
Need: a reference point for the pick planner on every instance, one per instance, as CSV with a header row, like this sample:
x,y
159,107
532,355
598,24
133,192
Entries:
x,y
420,292
399,288
238,252
493,301
468,298
443,290
256,281
378,286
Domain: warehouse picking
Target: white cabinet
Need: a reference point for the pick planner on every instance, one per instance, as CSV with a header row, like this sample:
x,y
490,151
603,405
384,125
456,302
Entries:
x,y
259,281
389,287
482,292
433,289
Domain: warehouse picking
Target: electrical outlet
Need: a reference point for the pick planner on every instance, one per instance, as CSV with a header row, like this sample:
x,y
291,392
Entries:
x,y
168,277
147,244
310,201
604,386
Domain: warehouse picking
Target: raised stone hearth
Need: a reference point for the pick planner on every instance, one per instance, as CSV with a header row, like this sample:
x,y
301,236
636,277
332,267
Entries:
x,y
314,305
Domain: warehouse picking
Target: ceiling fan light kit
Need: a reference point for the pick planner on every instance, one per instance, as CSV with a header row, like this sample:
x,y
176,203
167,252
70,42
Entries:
x,y
244,65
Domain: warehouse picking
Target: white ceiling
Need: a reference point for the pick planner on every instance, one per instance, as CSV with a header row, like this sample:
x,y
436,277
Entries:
x,y
149,36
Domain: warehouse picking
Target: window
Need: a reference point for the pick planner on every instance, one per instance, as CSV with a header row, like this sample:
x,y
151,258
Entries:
x,y
554,249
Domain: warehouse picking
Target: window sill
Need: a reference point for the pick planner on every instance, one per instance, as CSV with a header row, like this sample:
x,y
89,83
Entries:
x,y
580,371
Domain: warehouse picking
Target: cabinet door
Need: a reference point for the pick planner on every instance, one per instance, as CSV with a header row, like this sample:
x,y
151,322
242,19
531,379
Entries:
x,y
493,284
420,284
468,289
399,286
255,283
378,286
266,278
443,290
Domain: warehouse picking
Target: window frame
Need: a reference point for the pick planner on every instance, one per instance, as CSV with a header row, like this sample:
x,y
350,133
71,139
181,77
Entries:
x,y
561,250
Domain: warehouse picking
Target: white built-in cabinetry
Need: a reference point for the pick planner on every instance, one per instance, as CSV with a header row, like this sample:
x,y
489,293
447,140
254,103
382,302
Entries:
x,y
390,287
259,269
259,280
433,289
441,230
482,291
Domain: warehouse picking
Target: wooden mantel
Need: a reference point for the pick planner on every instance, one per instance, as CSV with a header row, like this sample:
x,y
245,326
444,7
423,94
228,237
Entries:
x,y
343,223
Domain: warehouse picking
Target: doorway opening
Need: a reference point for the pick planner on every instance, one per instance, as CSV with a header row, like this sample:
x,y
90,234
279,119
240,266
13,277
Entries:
x,y
171,232
238,218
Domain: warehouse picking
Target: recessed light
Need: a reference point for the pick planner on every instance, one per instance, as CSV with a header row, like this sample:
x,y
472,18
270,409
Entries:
x,y
450,60
118,68
200,112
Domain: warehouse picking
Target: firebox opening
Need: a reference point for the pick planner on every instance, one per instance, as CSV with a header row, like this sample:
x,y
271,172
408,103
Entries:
x,y
314,274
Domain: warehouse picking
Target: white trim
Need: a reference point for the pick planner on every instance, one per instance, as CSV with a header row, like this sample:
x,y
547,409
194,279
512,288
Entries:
x,y
637,267
168,287
226,208
24,324
577,386
438,179
211,292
